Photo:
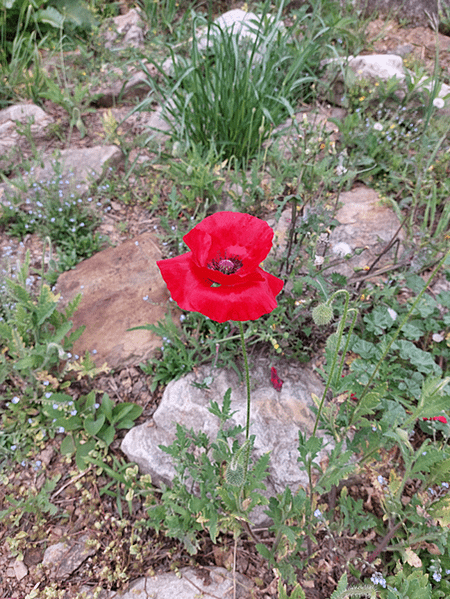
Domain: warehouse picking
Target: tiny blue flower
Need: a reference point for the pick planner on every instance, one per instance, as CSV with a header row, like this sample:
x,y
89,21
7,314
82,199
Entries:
x,y
48,394
61,429
13,447
15,399
317,513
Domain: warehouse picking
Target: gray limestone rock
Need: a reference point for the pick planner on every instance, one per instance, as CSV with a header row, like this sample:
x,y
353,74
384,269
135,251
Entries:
x,y
64,558
125,31
374,67
189,583
79,169
22,116
276,418
365,224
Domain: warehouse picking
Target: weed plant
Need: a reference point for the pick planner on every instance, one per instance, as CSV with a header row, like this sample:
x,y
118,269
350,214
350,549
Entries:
x,y
54,213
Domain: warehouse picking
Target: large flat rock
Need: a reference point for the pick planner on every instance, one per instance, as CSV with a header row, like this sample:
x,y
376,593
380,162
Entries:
x,y
276,417
121,288
368,224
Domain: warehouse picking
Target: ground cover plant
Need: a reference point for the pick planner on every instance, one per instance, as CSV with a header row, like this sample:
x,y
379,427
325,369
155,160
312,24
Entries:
x,y
380,504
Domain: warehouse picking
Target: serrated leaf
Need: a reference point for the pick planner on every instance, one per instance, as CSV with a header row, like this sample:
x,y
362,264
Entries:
x,y
440,511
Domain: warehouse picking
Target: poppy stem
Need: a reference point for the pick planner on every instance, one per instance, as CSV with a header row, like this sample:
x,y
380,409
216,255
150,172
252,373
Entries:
x,y
247,380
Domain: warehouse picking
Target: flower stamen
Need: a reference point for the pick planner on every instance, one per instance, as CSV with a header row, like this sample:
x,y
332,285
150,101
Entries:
x,y
227,265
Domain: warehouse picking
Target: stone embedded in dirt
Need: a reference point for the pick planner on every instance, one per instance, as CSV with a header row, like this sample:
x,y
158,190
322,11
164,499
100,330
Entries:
x,y
366,226
121,288
124,31
417,12
20,569
364,222
189,583
374,67
64,558
116,86
80,168
21,117
276,418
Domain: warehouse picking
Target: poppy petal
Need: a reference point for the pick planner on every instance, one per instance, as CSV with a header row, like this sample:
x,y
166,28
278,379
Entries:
x,y
233,234
247,301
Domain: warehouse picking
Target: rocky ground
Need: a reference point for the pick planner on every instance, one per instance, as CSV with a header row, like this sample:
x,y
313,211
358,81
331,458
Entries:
x,y
95,516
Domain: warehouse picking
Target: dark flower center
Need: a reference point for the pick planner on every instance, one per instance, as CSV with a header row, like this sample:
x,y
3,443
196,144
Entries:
x,y
228,265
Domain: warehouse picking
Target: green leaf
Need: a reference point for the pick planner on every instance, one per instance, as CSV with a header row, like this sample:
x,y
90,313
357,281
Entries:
x,y
440,511
92,426
83,450
106,407
50,16
107,434
67,445
128,411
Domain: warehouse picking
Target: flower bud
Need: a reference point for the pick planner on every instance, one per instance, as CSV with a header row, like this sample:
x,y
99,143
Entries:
x,y
322,314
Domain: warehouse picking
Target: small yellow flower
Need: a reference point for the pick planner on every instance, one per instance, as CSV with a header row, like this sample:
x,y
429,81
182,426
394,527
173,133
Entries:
x,y
362,98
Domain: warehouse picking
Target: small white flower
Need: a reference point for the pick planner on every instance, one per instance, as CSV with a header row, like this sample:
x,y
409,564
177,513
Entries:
x,y
317,513
341,249
318,260
438,103
340,170
392,313
437,337
378,578
15,399
378,127
61,429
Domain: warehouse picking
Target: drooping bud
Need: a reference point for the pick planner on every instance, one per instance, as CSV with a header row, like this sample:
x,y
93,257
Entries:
x,y
322,314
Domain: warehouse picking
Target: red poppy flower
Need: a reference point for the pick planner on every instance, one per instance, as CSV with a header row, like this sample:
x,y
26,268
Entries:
x,y
277,383
442,419
220,277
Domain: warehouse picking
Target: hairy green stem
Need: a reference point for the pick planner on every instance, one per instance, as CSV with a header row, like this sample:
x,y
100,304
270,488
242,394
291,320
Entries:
x,y
247,380
336,353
